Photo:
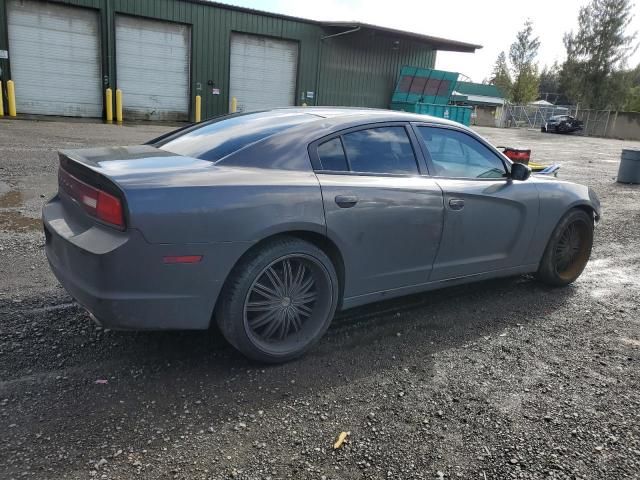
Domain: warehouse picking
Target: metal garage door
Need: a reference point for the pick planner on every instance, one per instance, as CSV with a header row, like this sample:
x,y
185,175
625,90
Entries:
x,y
152,68
263,72
54,52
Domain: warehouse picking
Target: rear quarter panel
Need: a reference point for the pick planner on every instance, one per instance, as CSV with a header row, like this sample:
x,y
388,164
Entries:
x,y
224,204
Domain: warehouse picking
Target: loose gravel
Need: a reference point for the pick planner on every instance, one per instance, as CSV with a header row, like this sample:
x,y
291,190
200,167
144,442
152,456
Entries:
x,y
499,379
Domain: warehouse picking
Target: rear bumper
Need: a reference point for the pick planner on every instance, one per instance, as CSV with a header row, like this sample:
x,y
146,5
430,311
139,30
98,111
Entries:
x,y
132,311
122,279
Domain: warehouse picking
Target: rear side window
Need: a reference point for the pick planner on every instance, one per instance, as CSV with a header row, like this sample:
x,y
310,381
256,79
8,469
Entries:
x,y
332,156
215,140
380,150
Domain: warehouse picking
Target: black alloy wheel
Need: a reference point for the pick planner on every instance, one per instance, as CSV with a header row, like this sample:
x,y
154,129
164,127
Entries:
x,y
279,300
287,303
568,249
572,250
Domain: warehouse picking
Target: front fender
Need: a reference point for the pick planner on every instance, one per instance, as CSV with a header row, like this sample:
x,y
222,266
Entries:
x,y
591,201
557,197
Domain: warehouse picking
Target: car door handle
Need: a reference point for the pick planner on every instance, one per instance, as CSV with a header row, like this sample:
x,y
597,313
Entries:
x,y
346,201
456,204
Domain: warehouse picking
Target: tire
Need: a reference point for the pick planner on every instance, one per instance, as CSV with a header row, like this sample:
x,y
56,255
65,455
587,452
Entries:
x,y
568,250
278,301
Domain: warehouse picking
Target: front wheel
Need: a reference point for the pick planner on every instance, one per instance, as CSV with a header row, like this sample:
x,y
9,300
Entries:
x,y
279,300
568,250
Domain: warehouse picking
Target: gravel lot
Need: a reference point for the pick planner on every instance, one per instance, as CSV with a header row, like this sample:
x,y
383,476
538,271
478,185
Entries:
x,y
500,379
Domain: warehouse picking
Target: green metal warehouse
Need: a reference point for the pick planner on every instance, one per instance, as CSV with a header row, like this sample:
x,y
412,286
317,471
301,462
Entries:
x,y
62,56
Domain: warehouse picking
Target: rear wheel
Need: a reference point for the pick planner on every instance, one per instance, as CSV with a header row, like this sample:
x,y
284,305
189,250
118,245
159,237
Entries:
x,y
279,301
568,250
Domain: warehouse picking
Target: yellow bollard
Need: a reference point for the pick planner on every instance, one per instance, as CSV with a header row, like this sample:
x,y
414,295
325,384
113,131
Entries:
x,y
304,104
11,98
108,103
119,105
234,105
198,108
1,102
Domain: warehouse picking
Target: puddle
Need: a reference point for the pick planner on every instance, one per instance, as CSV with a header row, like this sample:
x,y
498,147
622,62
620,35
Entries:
x,y
16,222
10,199
12,220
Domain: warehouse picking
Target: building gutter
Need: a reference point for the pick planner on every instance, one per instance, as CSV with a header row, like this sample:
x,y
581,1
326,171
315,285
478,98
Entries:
x,y
322,39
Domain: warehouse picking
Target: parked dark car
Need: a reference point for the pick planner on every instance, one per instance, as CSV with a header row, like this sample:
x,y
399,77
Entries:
x,y
268,222
562,124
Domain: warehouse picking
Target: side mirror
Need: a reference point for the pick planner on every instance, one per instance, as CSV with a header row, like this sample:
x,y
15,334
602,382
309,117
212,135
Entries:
x,y
520,171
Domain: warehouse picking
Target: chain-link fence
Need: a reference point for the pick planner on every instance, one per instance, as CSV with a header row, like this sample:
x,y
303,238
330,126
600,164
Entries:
x,y
532,116
595,122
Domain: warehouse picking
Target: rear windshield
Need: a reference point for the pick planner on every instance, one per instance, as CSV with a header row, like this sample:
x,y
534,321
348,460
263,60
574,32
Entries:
x,y
219,138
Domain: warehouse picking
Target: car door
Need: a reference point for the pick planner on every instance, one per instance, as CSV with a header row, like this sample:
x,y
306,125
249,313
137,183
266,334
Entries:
x,y
385,217
489,218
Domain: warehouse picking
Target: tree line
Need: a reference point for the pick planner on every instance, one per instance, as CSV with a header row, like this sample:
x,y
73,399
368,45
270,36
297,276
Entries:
x,y
594,74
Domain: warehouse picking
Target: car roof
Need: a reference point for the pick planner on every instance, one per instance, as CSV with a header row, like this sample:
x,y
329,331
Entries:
x,y
288,149
350,115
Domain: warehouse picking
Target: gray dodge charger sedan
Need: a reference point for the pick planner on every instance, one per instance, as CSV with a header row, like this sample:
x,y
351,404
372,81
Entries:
x,y
268,222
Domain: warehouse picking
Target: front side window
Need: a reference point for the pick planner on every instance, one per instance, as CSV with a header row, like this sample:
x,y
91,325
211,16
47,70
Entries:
x,y
456,154
380,150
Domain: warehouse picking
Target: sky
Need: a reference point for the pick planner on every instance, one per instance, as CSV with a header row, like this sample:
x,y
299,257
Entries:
x,y
490,23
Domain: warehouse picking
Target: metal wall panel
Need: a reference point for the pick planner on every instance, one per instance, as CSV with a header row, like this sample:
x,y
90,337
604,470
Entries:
x,y
358,69
361,68
153,65
55,55
212,26
263,72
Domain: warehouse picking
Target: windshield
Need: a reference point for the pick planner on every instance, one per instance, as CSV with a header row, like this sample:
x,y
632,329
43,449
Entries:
x,y
219,138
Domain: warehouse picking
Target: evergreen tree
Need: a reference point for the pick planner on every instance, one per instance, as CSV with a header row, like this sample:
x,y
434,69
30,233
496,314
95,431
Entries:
x,y
500,76
522,55
550,80
632,96
597,52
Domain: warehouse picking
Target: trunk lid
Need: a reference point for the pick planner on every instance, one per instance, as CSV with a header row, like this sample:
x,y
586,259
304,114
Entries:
x,y
95,182
122,162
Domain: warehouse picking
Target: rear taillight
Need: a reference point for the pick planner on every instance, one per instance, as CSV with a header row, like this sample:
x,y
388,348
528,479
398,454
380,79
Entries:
x,y
97,203
109,209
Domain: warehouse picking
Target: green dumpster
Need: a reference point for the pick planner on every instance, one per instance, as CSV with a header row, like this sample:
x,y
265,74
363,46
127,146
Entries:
x,y
428,92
